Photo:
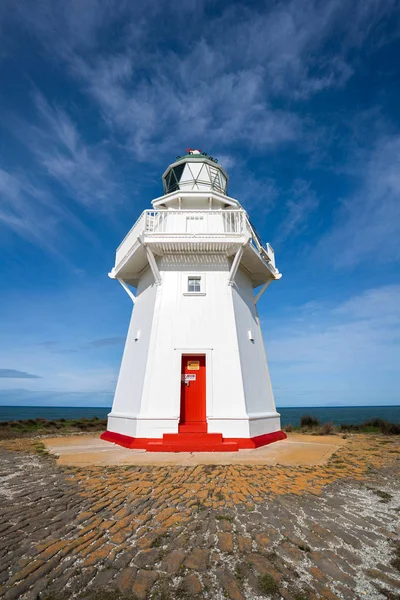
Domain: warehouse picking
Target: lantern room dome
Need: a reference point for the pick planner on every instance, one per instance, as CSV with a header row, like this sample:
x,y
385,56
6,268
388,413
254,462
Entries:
x,y
194,172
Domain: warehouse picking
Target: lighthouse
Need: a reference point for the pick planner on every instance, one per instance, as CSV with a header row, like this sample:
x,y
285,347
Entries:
x,y
194,374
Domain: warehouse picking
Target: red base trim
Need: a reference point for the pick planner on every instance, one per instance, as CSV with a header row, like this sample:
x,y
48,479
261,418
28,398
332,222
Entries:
x,y
125,440
192,442
259,440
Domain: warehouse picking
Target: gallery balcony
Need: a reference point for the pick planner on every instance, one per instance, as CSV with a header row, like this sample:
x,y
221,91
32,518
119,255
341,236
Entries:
x,y
183,231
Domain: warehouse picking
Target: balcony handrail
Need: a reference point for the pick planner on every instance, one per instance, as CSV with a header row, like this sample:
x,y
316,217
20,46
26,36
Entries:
x,y
131,229
162,222
204,210
263,250
167,211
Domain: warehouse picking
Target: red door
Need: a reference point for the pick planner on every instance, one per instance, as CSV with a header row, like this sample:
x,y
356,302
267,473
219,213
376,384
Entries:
x,y
193,394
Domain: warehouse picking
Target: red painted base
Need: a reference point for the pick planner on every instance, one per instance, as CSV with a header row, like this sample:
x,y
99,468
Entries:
x,y
192,428
192,442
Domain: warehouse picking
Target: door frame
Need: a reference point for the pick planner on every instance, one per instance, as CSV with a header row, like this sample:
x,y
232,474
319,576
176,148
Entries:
x,y
194,425
207,352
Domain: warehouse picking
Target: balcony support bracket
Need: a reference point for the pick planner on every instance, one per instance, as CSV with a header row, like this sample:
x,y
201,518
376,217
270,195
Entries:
x,y
260,293
153,265
128,291
235,265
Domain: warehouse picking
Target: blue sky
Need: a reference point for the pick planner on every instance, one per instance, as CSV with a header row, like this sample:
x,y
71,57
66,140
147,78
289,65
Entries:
x,y
299,100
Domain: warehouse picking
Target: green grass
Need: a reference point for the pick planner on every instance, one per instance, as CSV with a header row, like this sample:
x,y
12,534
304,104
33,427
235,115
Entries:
x,y
238,574
41,450
224,518
301,596
384,496
309,424
157,543
103,594
374,426
396,561
267,584
30,427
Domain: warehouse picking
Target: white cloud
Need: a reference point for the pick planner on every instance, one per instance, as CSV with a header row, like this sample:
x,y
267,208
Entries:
x,y
220,84
29,209
62,336
182,100
302,203
84,171
374,303
367,223
31,206
352,348
15,374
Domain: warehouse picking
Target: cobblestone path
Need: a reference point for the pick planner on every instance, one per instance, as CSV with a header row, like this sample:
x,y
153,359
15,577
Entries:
x,y
201,532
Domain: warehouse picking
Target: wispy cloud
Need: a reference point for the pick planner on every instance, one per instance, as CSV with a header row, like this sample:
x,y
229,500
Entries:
x,y
222,91
14,374
104,342
28,209
84,171
353,346
30,204
383,302
59,348
257,195
367,224
302,202
207,88
110,86
218,107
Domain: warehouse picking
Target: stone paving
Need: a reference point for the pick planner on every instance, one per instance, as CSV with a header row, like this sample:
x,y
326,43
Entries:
x,y
297,449
208,531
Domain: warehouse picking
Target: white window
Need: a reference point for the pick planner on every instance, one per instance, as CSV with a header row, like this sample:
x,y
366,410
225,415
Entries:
x,y
194,285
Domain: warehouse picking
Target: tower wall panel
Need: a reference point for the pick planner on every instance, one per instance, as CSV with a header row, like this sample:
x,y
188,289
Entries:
x,y
198,324
128,394
256,379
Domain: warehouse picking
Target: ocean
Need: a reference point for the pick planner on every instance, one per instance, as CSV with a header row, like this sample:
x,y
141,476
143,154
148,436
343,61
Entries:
x,y
335,414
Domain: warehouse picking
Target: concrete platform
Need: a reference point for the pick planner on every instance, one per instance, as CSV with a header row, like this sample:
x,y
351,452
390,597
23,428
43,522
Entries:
x,y
297,449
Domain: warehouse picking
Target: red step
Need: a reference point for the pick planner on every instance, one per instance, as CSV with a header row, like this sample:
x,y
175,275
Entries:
x,y
177,447
192,442
193,437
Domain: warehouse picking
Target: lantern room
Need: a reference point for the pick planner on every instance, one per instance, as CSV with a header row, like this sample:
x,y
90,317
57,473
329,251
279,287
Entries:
x,y
195,172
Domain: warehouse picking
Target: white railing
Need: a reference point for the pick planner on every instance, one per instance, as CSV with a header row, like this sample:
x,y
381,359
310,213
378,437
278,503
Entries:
x,y
189,223
131,237
184,223
194,222
267,252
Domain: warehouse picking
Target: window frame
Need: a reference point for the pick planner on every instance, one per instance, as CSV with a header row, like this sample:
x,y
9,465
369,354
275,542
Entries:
x,y
185,284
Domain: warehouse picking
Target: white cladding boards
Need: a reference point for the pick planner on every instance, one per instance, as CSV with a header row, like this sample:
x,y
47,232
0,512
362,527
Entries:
x,y
256,379
129,389
186,323
216,322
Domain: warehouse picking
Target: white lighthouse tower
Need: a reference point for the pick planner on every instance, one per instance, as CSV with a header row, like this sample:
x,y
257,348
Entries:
x,y
194,374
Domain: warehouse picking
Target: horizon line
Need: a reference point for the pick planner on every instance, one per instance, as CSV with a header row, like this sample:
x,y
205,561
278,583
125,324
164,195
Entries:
x,y
280,407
